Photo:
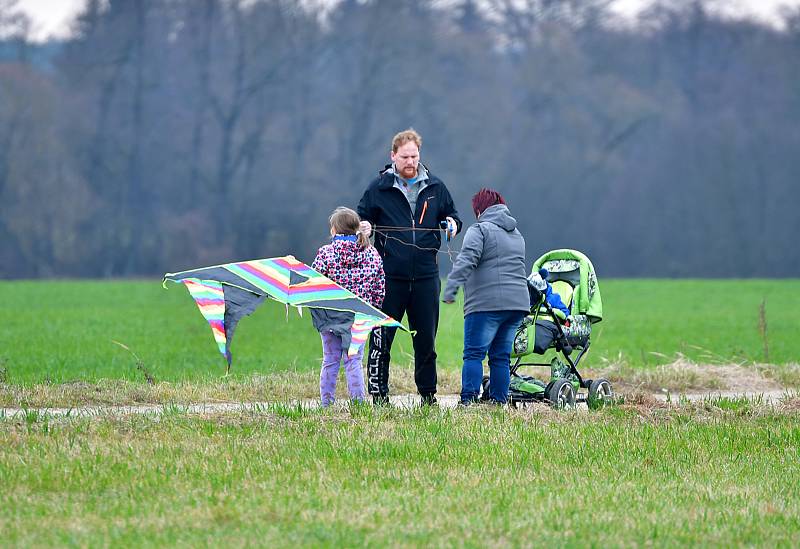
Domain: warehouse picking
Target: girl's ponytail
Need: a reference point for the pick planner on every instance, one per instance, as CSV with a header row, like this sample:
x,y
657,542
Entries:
x,y
363,239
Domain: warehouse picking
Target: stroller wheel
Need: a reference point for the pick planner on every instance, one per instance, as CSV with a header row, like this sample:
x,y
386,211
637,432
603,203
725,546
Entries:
x,y
485,389
562,394
600,394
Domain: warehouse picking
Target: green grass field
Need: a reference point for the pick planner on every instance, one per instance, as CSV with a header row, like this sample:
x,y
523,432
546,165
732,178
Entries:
x,y
59,332
723,473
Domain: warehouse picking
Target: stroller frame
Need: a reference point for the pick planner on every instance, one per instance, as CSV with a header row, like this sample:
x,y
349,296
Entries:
x,y
562,347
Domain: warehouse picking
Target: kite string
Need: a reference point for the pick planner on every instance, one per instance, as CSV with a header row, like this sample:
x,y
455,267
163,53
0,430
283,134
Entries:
x,y
449,252
379,228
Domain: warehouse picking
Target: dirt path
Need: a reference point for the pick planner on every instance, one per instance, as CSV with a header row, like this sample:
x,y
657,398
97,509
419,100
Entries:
x,y
772,396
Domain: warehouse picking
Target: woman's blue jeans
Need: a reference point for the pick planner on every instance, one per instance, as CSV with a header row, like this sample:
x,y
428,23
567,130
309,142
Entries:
x,y
489,332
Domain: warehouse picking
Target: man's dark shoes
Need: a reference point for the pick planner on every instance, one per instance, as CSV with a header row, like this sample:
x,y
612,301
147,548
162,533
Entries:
x,y
429,399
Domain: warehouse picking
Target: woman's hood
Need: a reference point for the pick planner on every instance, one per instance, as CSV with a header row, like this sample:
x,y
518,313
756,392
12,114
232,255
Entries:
x,y
500,216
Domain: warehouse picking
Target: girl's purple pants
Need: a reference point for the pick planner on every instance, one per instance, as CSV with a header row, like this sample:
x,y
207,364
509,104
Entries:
x,y
332,356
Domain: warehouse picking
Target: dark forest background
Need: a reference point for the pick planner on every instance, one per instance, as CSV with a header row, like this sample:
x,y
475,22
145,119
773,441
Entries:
x,y
170,134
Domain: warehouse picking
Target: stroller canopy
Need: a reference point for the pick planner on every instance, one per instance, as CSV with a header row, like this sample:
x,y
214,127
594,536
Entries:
x,y
575,268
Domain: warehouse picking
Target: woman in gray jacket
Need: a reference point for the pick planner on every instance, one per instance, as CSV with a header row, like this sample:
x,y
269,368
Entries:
x,y
491,268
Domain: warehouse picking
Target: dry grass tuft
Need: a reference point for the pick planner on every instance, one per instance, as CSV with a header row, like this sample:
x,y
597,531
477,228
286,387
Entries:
x,y
785,375
683,375
641,399
791,403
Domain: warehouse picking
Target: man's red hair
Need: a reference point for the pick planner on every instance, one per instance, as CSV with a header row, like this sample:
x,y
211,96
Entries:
x,y
485,198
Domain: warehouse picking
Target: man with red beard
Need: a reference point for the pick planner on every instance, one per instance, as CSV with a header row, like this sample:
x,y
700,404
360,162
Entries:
x,y
407,206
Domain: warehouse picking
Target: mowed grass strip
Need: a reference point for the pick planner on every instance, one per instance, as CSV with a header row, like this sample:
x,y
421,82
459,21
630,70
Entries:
x,y
64,331
723,474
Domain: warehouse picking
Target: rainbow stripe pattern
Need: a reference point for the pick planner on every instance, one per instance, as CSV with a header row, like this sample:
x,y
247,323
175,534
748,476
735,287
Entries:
x,y
362,326
274,276
210,299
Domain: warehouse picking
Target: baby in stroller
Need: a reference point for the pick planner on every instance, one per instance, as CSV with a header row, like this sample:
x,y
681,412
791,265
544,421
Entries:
x,y
540,289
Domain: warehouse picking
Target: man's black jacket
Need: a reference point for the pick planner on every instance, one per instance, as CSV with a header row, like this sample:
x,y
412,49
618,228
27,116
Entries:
x,y
384,205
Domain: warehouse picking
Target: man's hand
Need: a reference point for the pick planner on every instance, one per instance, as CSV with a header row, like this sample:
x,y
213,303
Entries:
x,y
449,302
366,228
452,227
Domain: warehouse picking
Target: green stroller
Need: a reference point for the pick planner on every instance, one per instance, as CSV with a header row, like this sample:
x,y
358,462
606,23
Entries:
x,y
571,275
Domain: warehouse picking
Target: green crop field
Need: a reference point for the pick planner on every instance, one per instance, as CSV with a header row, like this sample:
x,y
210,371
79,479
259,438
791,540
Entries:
x,y
64,331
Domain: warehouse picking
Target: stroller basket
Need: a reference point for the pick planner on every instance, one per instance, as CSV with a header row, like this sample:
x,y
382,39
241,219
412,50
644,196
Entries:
x,y
578,330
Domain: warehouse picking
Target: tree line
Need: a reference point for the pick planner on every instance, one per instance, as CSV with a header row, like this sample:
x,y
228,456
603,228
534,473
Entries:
x,y
169,134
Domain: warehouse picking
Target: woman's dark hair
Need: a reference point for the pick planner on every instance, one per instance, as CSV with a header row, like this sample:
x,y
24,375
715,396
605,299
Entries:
x,y
485,198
